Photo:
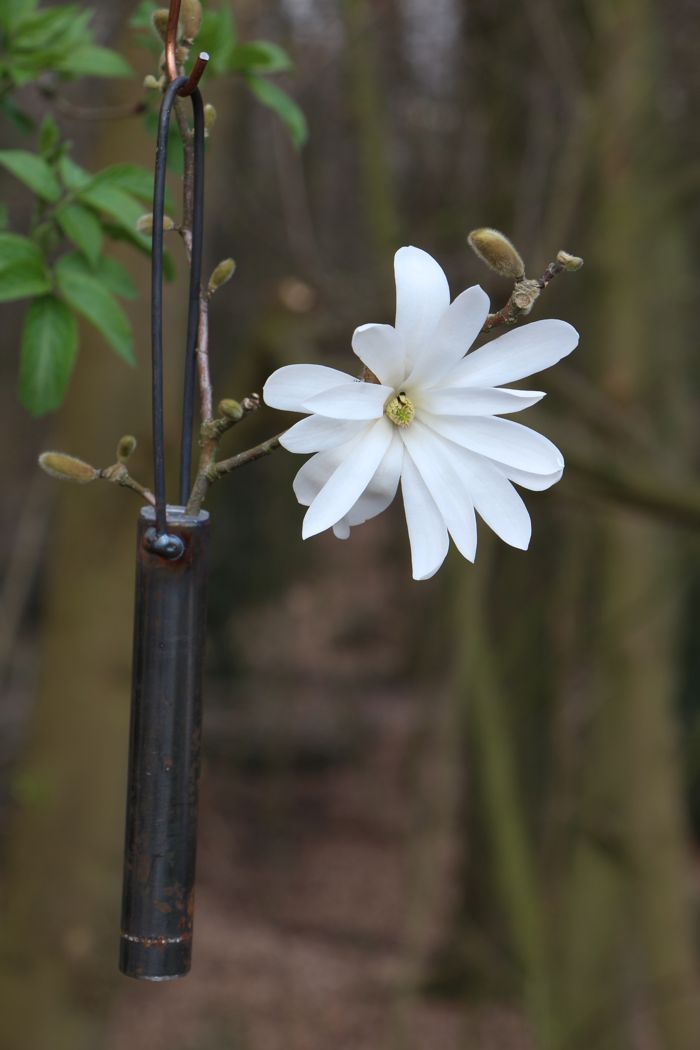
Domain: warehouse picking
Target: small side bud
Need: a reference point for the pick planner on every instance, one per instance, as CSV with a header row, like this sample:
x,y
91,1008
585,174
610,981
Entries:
x,y
494,248
230,409
190,18
571,263
152,83
144,224
159,20
209,118
221,273
67,468
126,446
181,55
525,295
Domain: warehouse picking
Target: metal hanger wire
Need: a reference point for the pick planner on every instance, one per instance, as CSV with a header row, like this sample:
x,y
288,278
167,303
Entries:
x,y
182,86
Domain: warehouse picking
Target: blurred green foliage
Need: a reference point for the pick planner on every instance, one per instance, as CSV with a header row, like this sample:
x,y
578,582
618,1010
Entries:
x,y
61,262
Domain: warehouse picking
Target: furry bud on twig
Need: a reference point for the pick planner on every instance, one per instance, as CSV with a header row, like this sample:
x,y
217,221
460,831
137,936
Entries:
x,y
67,468
190,18
209,118
494,248
159,20
125,447
144,224
571,263
221,273
151,83
230,409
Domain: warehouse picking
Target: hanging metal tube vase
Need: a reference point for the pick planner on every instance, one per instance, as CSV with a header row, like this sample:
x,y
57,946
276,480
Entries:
x,y
164,750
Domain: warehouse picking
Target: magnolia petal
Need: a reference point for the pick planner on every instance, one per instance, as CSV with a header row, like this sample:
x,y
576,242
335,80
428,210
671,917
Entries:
x,y
494,497
314,474
349,480
500,439
422,297
289,387
427,533
445,484
533,482
456,331
317,433
382,488
477,401
381,349
519,353
350,401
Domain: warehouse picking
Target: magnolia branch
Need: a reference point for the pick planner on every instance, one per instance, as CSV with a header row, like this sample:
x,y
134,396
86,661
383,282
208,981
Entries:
x,y
210,433
526,291
225,466
119,475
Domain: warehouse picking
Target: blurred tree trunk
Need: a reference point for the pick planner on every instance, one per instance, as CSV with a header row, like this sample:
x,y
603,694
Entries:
x,y
62,897
629,938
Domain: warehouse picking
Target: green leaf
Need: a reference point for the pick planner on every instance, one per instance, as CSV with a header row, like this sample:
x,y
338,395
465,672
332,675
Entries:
x,y
88,296
285,107
49,136
12,11
72,175
33,171
54,30
116,277
121,208
129,177
22,270
93,61
15,115
260,56
218,36
49,346
107,270
82,227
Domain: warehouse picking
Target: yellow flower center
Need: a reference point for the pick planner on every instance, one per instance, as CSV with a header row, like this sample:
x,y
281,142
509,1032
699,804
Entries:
x,y
399,410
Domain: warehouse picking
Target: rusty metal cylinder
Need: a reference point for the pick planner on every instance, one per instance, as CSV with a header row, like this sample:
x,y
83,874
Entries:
x,y
164,750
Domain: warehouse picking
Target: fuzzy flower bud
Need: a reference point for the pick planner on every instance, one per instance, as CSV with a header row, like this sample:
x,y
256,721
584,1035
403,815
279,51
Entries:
x,y
125,447
144,224
221,273
494,248
190,18
230,409
209,118
67,468
159,20
151,83
571,263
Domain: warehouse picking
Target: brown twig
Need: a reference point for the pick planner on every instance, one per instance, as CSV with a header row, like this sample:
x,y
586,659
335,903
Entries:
x,y
205,389
117,474
525,293
249,456
210,434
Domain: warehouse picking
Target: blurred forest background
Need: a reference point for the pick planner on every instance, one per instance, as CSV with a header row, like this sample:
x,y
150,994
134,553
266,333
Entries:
x,y
457,814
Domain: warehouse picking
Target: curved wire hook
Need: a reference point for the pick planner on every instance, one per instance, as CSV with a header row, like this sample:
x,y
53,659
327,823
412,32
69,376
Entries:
x,y
160,542
189,85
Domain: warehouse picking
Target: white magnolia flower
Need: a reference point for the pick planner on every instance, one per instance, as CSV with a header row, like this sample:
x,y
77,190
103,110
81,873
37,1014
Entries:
x,y
432,422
